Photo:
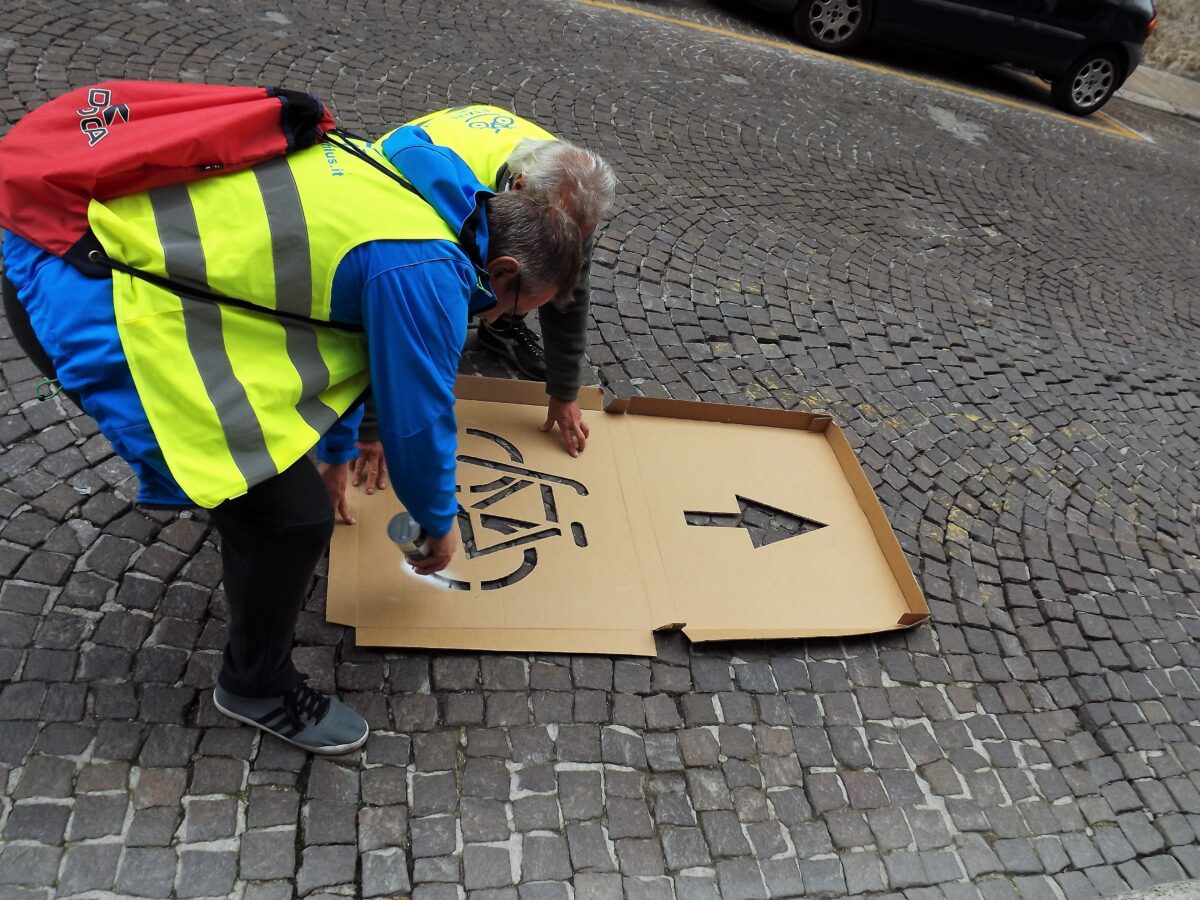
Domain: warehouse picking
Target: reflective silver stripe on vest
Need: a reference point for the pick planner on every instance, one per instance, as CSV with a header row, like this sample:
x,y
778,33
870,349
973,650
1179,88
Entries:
x,y
291,257
183,254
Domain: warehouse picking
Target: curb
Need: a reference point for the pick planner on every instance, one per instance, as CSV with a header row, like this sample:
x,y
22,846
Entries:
x,y
1161,105
1180,890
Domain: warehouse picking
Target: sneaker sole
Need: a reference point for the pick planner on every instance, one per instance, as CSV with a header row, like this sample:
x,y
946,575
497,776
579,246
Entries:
x,y
330,750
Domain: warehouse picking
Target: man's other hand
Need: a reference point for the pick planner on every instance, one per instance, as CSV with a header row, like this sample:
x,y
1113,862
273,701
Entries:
x,y
335,476
370,468
567,415
441,551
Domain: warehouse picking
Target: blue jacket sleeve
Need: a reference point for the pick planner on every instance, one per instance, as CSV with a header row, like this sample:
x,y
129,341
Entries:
x,y
415,317
337,444
421,467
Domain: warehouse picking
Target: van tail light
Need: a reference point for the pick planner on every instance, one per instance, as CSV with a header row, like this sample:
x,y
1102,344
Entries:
x,y
1153,24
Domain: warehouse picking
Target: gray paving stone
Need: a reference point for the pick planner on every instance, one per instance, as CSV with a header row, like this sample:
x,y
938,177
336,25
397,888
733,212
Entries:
x,y
782,877
439,869
640,857
88,867
381,827
435,892
206,873
266,855
1113,845
146,872
590,886
545,858
486,867
271,805
435,835
628,818
684,848
96,816
622,747
384,873
42,822
384,786
483,820
434,794
28,864
209,820
708,789
589,848
152,827
578,743
329,822
864,872
674,809
581,794
544,890
534,813
723,833
388,749
435,751
701,887
1017,856
822,877
742,879
324,866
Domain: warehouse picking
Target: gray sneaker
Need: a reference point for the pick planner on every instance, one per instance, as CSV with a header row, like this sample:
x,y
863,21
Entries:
x,y
306,718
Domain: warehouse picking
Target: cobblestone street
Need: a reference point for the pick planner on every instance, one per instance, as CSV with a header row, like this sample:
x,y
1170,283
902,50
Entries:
x,y
1001,308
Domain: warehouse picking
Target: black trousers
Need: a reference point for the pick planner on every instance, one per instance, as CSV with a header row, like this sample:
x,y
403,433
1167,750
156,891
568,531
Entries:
x,y
271,541
272,538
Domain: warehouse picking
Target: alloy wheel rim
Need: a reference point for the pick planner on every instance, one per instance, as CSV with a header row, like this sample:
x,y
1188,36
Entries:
x,y
1093,82
834,20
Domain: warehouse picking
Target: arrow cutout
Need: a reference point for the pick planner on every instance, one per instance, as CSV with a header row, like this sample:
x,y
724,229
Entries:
x,y
765,524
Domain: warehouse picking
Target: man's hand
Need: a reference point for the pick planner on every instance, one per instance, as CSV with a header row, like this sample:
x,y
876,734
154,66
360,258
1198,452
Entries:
x,y
567,415
370,466
441,551
335,476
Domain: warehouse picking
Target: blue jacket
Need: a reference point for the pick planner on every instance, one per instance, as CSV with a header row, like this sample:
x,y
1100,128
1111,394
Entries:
x,y
412,298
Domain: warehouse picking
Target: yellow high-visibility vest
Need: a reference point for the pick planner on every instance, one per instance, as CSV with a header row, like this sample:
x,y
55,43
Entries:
x,y
235,396
483,136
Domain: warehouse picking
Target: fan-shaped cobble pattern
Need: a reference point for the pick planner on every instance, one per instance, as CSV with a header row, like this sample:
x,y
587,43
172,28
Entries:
x,y
1000,308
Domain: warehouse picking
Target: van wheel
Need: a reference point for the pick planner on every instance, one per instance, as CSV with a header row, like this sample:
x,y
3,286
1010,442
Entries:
x,y
832,25
1088,83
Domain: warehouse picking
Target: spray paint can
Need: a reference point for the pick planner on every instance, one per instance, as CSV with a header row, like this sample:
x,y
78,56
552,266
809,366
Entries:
x,y
407,534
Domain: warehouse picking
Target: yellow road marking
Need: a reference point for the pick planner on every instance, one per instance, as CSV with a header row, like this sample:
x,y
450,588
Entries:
x,y
1097,121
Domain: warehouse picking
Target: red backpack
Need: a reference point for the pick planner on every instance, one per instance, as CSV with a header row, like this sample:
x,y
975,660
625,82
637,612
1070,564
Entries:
x,y
121,137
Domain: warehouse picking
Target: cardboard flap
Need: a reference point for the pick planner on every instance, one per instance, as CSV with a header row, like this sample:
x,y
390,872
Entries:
x,y
828,577
529,393
716,412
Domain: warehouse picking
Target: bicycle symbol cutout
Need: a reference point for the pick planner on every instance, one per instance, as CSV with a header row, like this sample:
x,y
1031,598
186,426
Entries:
x,y
475,520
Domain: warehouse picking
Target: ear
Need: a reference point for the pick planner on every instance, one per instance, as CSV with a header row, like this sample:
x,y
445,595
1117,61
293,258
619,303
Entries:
x,y
503,267
518,181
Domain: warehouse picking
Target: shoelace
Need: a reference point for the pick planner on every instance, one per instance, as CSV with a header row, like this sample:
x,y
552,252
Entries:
x,y
304,701
525,336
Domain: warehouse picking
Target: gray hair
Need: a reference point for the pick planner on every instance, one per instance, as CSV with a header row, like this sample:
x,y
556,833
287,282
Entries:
x,y
578,179
539,234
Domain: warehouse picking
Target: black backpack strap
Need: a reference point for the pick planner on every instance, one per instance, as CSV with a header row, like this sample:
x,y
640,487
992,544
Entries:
x,y
100,258
344,141
466,234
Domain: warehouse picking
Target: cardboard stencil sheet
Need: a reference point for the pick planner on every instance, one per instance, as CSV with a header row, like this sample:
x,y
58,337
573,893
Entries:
x,y
643,531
